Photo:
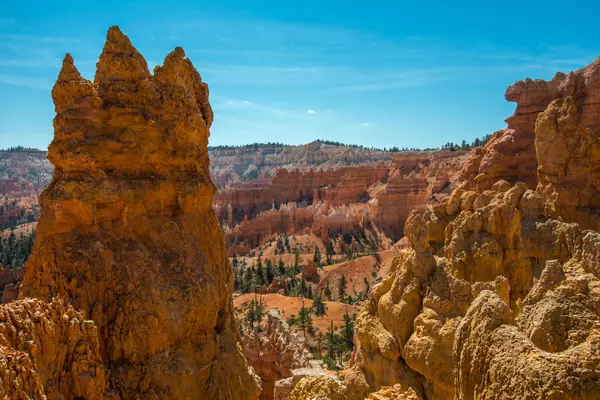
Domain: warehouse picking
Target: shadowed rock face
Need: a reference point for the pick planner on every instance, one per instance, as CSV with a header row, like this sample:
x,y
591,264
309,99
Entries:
x,y
127,233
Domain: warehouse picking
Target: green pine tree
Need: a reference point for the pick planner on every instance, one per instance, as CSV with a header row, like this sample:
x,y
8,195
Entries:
x,y
342,288
319,306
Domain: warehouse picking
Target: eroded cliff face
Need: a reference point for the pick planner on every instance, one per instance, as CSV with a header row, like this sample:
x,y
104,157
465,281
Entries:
x,y
498,294
49,350
490,288
569,160
127,232
275,352
511,153
331,199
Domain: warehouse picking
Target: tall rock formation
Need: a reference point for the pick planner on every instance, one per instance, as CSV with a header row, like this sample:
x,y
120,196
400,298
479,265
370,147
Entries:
x,y
275,352
567,142
127,232
498,294
511,153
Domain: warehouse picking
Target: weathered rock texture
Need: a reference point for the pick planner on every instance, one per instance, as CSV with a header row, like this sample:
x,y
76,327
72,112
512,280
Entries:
x,y
511,153
490,288
498,294
127,232
275,352
568,152
49,351
330,200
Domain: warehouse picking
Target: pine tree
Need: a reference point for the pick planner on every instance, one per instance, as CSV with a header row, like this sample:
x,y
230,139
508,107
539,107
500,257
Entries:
x,y
317,255
296,261
302,287
328,291
319,307
342,288
251,314
330,357
305,320
281,268
348,332
247,281
259,310
260,277
309,293
270,274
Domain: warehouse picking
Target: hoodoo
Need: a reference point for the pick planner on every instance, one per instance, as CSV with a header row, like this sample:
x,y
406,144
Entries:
x,y
127,233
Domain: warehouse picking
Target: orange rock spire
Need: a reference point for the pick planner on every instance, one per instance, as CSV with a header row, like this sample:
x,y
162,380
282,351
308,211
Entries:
x,y
127,233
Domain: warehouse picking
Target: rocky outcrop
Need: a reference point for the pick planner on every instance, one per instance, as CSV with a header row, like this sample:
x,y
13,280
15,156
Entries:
x,y
497,295
284,387
275,352
457,306
49,351
329,202
569,160
127,232
511,153
319,387
334,185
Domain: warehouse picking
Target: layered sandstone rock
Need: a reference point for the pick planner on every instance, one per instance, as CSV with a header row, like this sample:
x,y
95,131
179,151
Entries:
x,y
497,295
569,160
127,232
229,164
275,352
460,307
511,153
329,201
49,351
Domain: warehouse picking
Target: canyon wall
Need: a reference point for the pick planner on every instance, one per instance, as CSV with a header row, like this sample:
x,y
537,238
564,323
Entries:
x,y
497,295
330,201
511,153
128,235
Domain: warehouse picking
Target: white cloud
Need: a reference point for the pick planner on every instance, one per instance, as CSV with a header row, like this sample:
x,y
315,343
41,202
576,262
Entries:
x,y
310,111
365,124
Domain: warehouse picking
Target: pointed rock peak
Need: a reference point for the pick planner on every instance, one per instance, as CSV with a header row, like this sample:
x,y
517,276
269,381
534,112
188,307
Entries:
x,y
69,71
174,58
120,60
177,53
175,69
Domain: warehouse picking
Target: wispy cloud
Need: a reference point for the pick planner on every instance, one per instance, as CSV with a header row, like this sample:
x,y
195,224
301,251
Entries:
x,y
40,39
259,110
310,111
34,83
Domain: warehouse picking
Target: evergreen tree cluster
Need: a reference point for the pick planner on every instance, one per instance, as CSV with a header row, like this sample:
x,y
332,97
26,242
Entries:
x,y
14,251
395,149
16,149
339,346
464,145
255,313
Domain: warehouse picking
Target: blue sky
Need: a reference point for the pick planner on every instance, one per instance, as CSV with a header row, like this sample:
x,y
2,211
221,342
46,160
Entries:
x,y
378,73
